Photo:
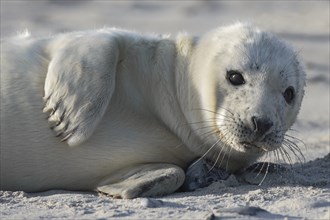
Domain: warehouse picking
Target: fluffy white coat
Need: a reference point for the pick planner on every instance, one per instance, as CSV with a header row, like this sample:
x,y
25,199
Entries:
x,y
137,110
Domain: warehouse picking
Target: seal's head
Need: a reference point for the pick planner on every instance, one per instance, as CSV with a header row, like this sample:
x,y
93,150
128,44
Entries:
x,y
249,87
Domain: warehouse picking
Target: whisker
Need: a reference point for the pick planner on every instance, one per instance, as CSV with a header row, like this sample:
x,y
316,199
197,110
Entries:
x,y
263,179
294,145
295,138
262,167
222,150
282,155
254,169
216,113
287,155
208,134
197,122
230,112
199,159
278,152
293,150
207,120
201,109
216,160
227,164
204,127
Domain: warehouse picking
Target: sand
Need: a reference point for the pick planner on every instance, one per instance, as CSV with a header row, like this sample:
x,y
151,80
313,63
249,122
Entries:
x,y
301,190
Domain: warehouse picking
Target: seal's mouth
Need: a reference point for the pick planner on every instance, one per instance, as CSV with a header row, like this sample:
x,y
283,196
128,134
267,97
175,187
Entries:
x,y
248,145
252,147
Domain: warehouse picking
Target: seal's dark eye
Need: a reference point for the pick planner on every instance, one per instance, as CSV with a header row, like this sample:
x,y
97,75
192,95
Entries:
x,y
289,94
235,77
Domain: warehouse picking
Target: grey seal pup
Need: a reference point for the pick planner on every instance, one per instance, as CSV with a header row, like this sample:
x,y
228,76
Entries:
x,y
125,114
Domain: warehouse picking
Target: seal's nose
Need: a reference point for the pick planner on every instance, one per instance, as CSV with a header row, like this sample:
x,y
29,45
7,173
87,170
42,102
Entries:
x,y
261,125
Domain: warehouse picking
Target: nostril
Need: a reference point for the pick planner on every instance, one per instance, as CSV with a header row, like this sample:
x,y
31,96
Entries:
x,y
261,125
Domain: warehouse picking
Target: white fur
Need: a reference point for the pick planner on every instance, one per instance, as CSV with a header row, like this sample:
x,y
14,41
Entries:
x,y
123,99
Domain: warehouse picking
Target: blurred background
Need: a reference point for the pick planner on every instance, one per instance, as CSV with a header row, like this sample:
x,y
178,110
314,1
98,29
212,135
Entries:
x,y
303,23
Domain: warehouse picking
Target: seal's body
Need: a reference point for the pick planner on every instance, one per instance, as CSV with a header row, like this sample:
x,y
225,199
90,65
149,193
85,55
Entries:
x,y
137,110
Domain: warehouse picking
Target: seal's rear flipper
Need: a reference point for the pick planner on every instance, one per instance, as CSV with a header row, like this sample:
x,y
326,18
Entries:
x,y
147,180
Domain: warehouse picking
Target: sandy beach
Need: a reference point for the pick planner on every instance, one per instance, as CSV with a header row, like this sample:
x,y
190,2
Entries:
x,y
299,191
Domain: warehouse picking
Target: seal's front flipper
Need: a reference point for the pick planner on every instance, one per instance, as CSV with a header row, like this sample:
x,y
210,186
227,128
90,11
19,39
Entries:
x,y
202,173
147,180
79,85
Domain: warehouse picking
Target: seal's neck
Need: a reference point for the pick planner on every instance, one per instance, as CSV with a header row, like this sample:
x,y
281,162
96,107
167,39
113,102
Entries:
x,y
183,93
